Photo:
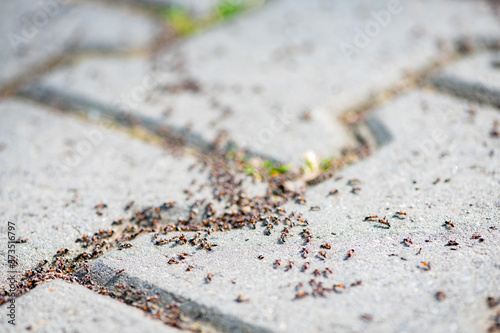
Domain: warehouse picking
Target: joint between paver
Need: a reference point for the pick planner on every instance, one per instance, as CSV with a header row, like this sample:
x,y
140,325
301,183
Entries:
x,y
475,92
107,278
361,121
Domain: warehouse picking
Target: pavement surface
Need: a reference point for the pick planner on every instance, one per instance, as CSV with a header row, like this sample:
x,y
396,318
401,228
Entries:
x,y
250,166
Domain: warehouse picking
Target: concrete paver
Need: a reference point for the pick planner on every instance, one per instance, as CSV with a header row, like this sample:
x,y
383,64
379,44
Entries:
x,y
271,293
404,240
56,169
58,306
285,96
34,32
476,77
442,165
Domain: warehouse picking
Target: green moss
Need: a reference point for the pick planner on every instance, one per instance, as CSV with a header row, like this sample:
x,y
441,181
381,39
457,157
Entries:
x,y
326,164
274,169
180,20
227,9
250,170
184,24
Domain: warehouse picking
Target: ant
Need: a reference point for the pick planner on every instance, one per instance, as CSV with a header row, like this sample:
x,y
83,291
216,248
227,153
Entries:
x,y
384,222
407,242
426,266
333,192
492,301
161,242
355,190
267,232
495,132
400,215
367,317
357,283
307,235
20,240
305,266
354,181
241,299
440,296
338,288
129,205
301,294
301,201
350,253
62,252
99,208
117,222
173,261
283,238
448,224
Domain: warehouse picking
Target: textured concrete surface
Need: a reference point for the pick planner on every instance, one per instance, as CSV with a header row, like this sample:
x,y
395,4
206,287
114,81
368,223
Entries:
x,y
220,80
407,291
481,68
476,77
56,169
277,80
435,140
58,306
32,33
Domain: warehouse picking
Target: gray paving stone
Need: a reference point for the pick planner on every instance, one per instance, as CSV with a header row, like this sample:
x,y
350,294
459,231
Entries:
x,y
283,135
31,33
475,77
434,138
55,169
220,80
58,306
